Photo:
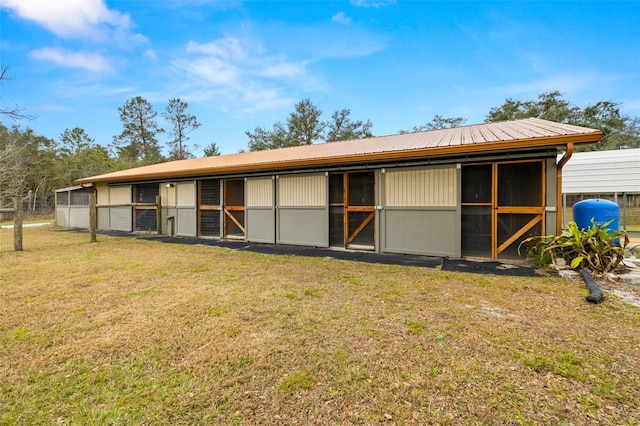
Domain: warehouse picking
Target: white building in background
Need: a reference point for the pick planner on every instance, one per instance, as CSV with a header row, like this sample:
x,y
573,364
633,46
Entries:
x,y
612,175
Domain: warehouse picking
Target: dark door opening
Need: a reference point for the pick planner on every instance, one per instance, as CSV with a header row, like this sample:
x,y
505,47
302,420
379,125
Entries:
x,y
352,210
234,208
209,208
502,204
145,211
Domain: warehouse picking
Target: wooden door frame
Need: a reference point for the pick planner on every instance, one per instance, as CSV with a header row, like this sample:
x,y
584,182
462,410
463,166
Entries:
x,y
348,238
538,212
496,210
227,209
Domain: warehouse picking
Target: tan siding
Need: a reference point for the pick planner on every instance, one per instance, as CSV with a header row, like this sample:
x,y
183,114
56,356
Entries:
x,y
259,192
421,188
302,190
186,194
102,193
120,195
168,194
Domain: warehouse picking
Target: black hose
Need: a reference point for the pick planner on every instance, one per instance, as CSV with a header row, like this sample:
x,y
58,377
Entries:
x,y
596,295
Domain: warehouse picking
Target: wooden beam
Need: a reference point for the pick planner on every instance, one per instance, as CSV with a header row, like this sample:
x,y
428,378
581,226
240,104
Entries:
x,y
238,224
17,224
520,210
361,208
362,226
533,222
93,217
158,214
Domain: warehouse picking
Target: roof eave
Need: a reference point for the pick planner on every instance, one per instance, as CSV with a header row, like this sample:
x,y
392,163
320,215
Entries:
x,y
475,148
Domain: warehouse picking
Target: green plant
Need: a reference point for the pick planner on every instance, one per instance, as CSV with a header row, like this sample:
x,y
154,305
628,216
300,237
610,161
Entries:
x,y
297,380
597,248
415,327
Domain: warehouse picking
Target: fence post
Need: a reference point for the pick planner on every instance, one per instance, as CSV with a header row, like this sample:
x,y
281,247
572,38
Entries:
x,y
159,214
93,217
17,224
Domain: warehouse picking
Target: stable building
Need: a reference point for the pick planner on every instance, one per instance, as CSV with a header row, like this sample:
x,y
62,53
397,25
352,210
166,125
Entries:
x,y
471,191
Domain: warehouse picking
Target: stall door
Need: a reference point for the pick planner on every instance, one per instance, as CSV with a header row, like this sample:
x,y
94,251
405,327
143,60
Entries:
x,y
260,212
209,208
234,208
186,212
352,210
120,215
145,216
302,214
502,204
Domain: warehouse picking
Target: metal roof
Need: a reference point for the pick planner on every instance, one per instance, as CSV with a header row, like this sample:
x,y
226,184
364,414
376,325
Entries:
x,y
602,172
70,188
488,137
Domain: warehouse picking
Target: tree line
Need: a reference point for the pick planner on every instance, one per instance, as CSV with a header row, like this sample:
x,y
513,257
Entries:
x,y
37,165
304,126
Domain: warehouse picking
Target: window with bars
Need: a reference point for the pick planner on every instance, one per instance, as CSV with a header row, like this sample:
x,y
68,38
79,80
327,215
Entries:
x,y
146,193
80,197
208,205
146,220
62,198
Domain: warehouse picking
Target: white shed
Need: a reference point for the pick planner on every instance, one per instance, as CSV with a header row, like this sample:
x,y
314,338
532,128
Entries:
x,y
72,207
612,175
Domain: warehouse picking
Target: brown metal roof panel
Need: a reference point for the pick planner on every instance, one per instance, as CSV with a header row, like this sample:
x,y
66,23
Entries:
x,y
545,127
511,133
467,137
498,132
526,132
486,134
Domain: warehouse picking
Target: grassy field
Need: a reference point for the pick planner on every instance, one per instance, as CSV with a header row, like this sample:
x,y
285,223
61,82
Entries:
x,y
133,332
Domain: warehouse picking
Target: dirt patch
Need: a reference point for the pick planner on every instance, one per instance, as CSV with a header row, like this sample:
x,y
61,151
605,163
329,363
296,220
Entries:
x,y
628,293
613,286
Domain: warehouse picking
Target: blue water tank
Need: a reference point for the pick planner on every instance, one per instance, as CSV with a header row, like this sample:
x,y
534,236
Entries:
x,y
601,211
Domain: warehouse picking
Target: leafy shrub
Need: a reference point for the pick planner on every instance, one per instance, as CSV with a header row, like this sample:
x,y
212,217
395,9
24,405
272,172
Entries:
x,y
597,248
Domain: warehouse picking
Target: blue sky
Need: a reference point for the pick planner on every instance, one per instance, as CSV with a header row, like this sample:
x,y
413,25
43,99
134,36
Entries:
x,y
245,64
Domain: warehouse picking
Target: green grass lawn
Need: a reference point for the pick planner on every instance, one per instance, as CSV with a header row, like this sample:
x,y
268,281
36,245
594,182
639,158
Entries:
x,y
133,332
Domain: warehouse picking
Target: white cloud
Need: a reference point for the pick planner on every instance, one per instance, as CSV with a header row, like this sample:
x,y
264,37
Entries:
x,y
341,18
151,54
241,73
88,61
372,3
56,108
258,98
566,83
72,18
228,48
210,69
70,89
283,69
232,62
